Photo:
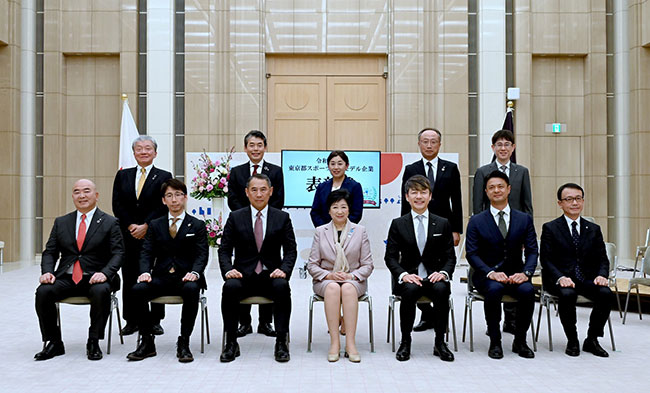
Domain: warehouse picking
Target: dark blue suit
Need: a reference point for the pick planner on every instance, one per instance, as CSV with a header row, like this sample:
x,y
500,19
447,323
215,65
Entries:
x,y
488,251
320,213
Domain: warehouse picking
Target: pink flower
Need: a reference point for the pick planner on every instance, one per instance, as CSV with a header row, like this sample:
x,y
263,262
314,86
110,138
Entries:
x,y
219,241
225,189
204,175
217,163
201,189
209,187
223,180
211,170
220,185
212,234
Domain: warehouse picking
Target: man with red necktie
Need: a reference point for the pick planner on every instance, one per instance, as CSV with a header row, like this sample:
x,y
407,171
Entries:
x,y
91,250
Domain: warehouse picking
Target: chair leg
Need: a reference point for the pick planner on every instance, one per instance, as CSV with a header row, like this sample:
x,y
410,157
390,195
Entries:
x,y
392,318
539,318
119,319
618,300
311,321
471,328
638,303
548,321
58,315
627,301
207,322
465,319
388,325
370,323
453,326
202,327
611,333
110,329
532,333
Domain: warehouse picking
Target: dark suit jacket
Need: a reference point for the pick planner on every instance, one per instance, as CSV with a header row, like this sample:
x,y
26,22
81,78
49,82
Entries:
x,y
320,213
187,252
447,188
402,253
487,250
237,185
559,256
102,251
131,210
520,196
238,236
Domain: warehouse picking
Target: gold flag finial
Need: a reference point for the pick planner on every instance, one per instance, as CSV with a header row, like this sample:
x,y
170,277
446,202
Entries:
x,y
124,97
511,104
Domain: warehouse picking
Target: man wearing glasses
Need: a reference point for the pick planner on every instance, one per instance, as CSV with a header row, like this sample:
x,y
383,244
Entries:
x,y
574,262
503,145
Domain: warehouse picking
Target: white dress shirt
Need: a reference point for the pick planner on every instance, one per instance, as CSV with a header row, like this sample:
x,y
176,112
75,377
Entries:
x,y
170,219
422,270
507,165
570,221
251,167
138,175
89,219
434,164
495,214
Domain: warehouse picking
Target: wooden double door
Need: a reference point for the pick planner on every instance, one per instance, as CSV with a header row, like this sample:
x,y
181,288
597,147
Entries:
x,y
326,102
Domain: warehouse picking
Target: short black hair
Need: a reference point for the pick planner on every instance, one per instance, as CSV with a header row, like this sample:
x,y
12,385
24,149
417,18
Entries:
x,y
496,174
503,134
338,195
174,184
338,153
422,131
254,134
569,185
260,176
418,183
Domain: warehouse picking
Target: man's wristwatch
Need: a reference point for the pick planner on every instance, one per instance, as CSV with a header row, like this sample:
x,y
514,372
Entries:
x,y
529,274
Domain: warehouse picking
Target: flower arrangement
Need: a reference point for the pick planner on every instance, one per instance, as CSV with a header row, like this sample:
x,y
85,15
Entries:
x,y
214,227
211,180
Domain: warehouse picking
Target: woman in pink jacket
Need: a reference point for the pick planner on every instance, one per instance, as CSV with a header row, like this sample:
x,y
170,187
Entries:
x,y
340,264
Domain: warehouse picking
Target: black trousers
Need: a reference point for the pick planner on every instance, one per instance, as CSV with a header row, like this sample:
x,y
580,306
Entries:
x,y
236,289
438,292
130,274
265,314
602,297
48,294
167,285
493,291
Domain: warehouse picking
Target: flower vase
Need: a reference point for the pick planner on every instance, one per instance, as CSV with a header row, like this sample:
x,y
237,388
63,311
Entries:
x,y
217,207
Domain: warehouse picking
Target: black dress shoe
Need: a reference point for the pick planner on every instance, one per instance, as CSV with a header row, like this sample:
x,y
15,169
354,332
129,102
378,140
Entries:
x,y
183,352
591,345
266,329
422,326
92,349
129,329
244,330
523,350
281,352
441,350
157,329
573,348
495,351
52,349
404,351
509,327
146,349
230,352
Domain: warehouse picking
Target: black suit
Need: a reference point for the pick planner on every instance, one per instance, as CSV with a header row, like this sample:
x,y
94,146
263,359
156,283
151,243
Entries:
x,y
520,197
560,258
278,251
403,256
131,210
102,251
237,199
488,251
168,260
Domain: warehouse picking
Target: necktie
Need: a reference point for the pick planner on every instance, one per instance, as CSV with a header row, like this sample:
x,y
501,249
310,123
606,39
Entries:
x,y
143,177
422,241
503,169
430,175
502,225
173,229
77,272
255,169
576,241
259,238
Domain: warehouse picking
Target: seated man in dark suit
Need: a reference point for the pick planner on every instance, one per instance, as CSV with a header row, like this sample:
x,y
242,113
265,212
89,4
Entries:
x,y
90,245
173,259
255,147
495,238
264,244
574,262
420,255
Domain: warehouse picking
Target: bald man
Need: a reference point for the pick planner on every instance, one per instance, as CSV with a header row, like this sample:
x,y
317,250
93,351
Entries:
x,y
88,245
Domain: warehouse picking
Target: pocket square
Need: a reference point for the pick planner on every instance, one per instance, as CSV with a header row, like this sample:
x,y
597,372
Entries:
x,y
189,234
436,234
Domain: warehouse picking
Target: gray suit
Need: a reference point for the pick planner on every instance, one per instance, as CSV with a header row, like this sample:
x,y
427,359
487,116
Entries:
x,y
520,196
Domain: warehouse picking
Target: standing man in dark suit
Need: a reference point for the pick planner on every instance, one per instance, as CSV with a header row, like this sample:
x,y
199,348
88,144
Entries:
x,y
255,147
574,262
494,242
265,252
446,200
421,258
172,262
521,198
90,245
136,202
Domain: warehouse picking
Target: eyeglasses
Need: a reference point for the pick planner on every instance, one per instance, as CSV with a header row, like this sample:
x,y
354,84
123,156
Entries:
x,y
177,195
500,145
571,199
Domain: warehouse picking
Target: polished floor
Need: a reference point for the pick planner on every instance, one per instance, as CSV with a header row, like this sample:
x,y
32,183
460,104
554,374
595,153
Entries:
x,y
256,371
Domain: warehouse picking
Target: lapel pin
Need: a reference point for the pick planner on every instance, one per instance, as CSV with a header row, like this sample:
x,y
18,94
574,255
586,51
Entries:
x,y
189,224
266,168
153,177
442,169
